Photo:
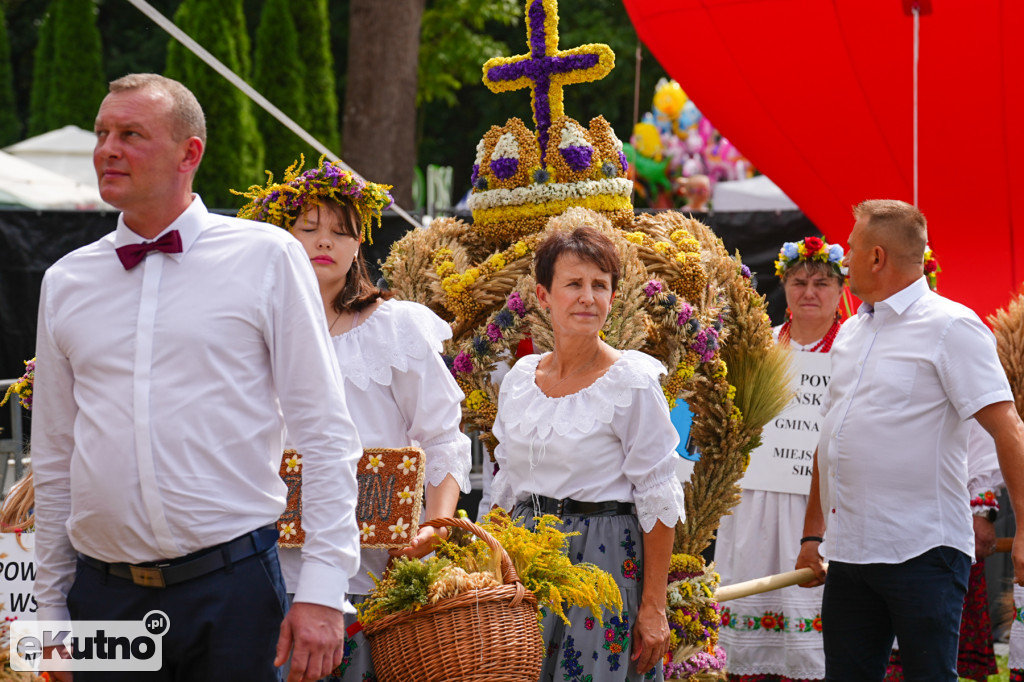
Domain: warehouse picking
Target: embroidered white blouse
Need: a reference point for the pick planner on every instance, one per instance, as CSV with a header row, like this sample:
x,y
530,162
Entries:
x,y
399,393
611,441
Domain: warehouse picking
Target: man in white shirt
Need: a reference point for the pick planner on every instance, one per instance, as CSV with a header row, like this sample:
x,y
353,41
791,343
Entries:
x,y
171,353
890,472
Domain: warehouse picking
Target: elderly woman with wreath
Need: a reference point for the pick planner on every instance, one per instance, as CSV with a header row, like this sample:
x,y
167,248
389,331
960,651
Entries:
x,y
776,636
584,433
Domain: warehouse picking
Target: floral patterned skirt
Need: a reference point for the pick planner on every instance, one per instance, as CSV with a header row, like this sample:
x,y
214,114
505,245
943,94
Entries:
x,y
356,663
589,651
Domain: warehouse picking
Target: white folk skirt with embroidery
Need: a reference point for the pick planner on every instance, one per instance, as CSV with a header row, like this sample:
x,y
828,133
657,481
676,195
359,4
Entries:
x,y
779,632
1017,630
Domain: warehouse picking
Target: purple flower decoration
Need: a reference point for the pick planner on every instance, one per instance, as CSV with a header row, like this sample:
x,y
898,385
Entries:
x,y
685,313
504,168
475,174
462,364
623,162
481,183
745,271
652,288
504,319
516,305
705,343
578,157
480,345
494,333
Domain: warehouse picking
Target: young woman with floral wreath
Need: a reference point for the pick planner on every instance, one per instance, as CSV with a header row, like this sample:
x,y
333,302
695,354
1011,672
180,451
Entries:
x,y
397,386
776,636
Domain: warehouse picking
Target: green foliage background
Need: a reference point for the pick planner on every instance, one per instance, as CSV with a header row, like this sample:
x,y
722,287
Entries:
x,y
10,124
276,65
454,108
234,149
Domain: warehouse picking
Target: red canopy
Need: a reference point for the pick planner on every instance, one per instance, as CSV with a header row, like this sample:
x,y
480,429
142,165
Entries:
x,y
819,95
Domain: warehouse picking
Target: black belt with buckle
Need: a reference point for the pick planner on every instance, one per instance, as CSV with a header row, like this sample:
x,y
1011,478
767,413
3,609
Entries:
x,y
571,507
181,569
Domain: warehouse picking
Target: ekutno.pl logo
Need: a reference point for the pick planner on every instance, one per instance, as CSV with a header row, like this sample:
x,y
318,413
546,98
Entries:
x,y
93,645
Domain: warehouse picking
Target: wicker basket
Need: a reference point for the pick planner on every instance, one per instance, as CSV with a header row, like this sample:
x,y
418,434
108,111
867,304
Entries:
x,y
480,635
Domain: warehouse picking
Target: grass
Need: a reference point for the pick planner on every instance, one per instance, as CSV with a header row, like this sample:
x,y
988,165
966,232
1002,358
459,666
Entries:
x,y
1004,671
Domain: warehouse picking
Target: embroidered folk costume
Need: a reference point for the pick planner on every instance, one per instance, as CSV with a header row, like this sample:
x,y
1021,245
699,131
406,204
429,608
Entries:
x,y
774,636
611,442
399,390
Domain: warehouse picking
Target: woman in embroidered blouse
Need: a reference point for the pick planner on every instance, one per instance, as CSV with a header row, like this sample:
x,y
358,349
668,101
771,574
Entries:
x,y
397,387
762,534
584,433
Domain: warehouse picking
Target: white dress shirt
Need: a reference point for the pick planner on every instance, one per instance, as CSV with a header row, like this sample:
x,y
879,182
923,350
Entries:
x,y
906,377
400,393
611,441
158,405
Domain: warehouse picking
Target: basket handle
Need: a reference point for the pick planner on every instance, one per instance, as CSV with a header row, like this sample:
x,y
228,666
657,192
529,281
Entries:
x,y
509,576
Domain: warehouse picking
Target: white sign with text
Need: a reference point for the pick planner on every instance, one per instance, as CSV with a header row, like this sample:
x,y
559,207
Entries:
x,y
17,576
783,461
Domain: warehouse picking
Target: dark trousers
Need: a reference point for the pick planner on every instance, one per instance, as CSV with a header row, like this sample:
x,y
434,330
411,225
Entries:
x,y
224,625
918,601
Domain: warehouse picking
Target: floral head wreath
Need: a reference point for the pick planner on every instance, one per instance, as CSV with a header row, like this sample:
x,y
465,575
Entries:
x,y
808,250
281,203
931,268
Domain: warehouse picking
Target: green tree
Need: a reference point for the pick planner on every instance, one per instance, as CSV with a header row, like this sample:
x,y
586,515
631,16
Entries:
x,y
234,148
454,44
10,124
38,113
279,75
317,71
77,82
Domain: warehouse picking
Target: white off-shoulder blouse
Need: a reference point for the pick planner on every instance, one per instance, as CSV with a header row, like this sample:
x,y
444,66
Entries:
x,y
611,441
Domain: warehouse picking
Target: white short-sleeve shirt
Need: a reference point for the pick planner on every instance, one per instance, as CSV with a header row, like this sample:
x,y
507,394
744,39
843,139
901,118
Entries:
x,y
906,377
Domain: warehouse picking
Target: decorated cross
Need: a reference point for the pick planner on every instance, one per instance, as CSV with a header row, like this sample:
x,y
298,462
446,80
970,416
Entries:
x,y
546,69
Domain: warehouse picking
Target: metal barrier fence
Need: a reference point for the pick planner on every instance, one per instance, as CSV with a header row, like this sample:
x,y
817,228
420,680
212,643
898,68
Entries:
x,y
12,446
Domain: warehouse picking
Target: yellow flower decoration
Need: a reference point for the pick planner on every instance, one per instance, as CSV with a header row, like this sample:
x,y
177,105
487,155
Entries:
x,y
476,400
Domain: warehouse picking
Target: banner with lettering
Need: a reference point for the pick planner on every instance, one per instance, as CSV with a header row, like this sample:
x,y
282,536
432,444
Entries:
x,y
17,580
783,461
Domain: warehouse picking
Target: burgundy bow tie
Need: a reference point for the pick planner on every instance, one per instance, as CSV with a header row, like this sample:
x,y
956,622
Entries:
x,y
132,254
